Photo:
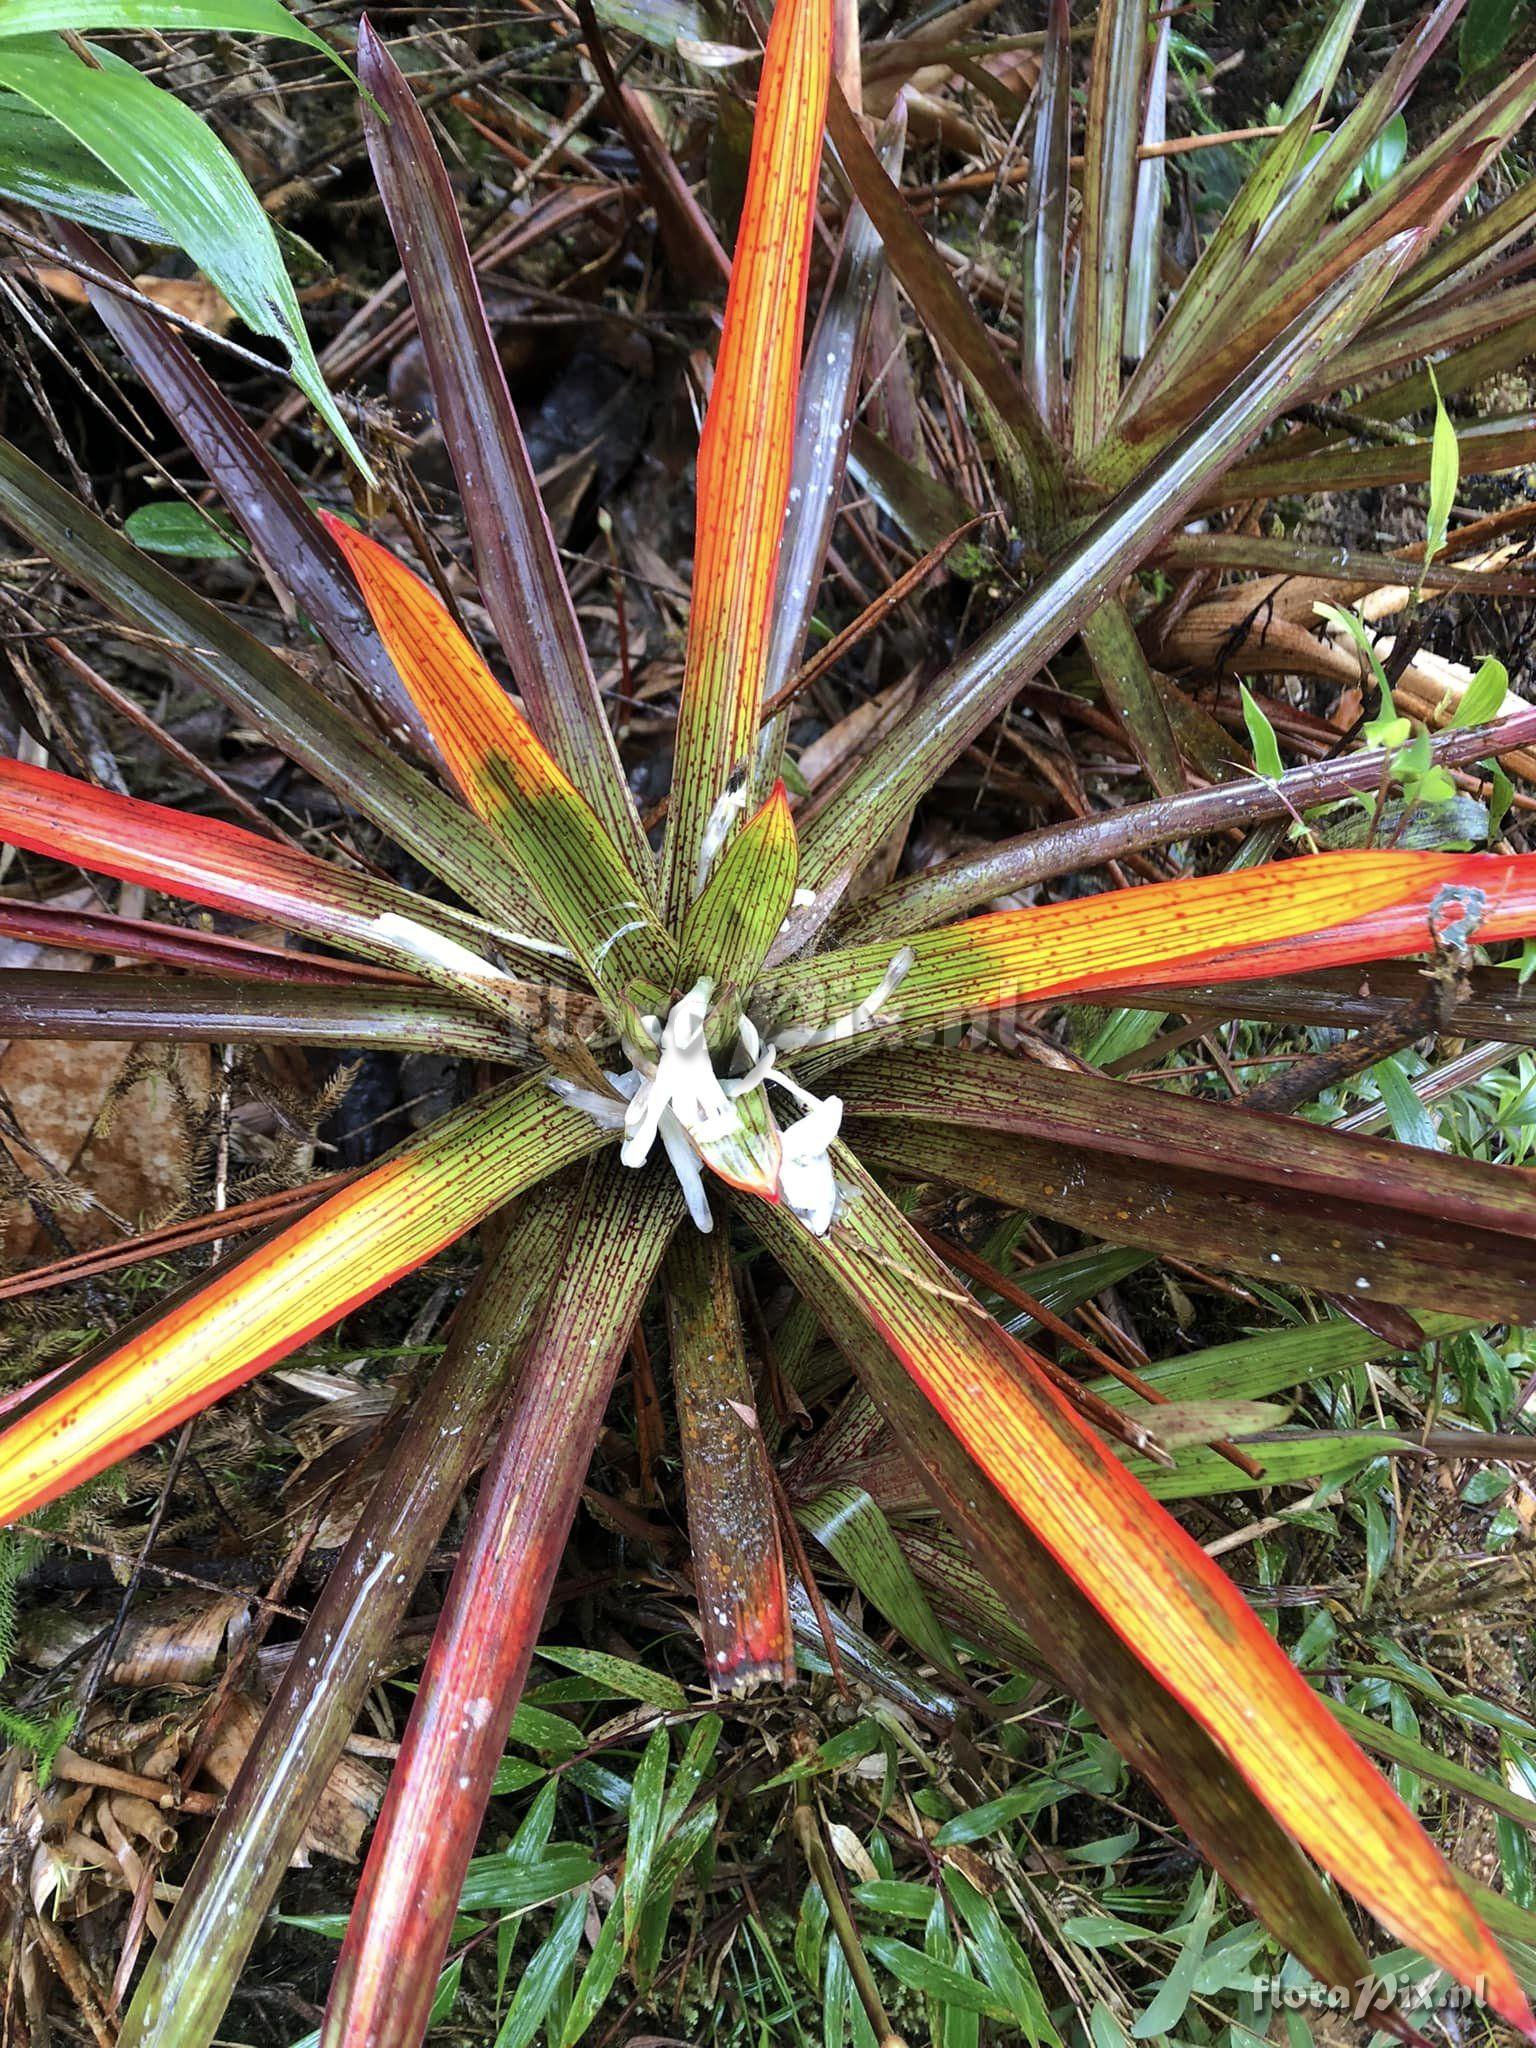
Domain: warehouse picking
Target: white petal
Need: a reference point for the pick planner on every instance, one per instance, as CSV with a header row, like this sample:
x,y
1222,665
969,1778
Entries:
x,y
685,1165
642,1120
809,1186
807,1180
607,1114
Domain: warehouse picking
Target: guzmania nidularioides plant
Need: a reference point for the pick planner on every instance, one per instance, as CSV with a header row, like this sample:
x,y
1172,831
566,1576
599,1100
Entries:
x,y
725,1036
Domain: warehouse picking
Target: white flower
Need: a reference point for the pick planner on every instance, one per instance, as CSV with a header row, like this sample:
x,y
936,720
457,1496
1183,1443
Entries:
x,y
673,1093
607,1114
683,1080
807,1180
800,1037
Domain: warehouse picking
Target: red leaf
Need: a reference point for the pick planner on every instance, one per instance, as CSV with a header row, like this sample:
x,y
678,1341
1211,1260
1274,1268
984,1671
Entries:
x,y
475,1669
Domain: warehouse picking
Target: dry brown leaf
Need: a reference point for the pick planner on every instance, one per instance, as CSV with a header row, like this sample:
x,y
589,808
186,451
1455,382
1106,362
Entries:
x,y
351,1796
1269,627
131,1171
179,1639
193,298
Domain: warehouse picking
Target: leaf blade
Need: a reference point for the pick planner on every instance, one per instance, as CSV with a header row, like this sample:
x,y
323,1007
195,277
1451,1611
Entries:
x,y
143,1008
1331,909
733,1521
745,449
987,676
41,164
1171,1606
1109,200
205,860
243,17
304,1279
178,167
314,1705
730,925
516,561
244,673
511,781
290,541
403,1915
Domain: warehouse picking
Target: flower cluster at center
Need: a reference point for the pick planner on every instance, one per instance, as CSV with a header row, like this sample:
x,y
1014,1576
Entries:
x,y
671,1091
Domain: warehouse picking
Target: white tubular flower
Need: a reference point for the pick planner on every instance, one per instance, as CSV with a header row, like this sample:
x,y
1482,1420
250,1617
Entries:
x,y
762,1058
607,1114
862,1017
683,1081
807,1180
673,1093
685,1164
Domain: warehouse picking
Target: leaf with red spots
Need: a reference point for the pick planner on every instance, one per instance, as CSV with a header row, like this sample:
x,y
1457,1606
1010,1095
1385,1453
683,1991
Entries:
x,y
554,837
516,558
479,1658
227,868
1329,910
735,918
733,1523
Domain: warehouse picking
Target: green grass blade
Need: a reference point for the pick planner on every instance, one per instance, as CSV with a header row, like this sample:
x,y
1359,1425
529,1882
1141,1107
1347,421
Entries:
x,y
41,164
222,17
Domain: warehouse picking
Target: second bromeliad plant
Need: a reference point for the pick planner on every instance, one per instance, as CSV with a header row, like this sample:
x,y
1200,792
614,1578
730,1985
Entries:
x,y
696,1028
